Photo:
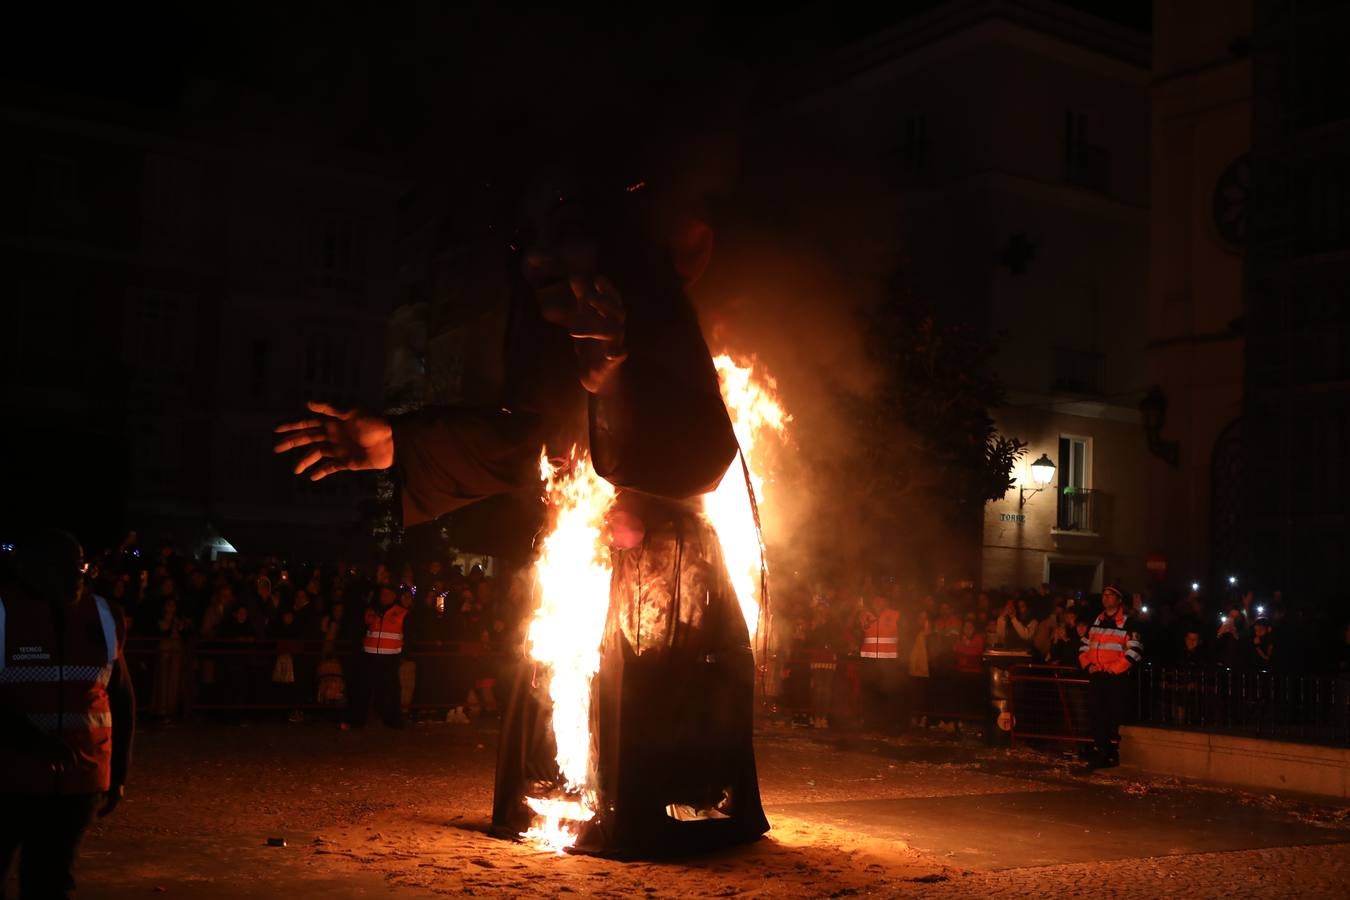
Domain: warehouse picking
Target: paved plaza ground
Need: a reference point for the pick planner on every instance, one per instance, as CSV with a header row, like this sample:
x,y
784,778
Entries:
x,y
378,813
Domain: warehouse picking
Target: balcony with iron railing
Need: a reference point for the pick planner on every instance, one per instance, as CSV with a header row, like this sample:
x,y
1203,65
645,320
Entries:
x,y
1077,511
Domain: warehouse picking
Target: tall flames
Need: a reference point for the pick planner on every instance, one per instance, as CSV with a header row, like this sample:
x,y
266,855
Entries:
x,y
757,415
572,579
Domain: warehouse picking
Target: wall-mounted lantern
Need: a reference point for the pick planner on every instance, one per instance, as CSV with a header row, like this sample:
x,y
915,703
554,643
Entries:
x,y
1153,409
1042,473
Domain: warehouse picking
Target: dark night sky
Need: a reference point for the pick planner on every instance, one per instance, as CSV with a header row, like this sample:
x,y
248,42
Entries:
x,y
384,77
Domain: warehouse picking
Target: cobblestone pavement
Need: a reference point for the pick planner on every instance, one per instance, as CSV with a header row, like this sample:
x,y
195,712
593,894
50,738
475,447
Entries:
x,y
404,814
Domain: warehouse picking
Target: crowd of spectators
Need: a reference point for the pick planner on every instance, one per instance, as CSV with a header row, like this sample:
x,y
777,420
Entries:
x,y
231,634
942,635
234,634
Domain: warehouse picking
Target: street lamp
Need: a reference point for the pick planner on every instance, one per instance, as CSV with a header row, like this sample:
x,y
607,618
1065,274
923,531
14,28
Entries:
x,y
1153,415
1042,473
1153,410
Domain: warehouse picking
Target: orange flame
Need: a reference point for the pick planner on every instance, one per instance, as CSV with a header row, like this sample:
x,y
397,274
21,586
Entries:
x,y
751,398
572,576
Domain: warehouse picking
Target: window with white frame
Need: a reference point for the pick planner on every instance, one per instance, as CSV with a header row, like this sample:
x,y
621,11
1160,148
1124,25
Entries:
x,y
1075,508
1075,462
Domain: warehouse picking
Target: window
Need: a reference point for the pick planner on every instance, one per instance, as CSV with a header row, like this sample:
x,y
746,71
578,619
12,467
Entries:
x,y
1074,576
1077,371
914,143
332,368
1075,506
1074,463
1084,165
172,196
341,250
159,332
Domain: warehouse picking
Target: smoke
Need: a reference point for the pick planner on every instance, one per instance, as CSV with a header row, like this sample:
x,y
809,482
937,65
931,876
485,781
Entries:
x,y
806,236
802,251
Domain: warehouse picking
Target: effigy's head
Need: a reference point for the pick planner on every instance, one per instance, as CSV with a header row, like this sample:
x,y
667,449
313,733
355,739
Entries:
x,y
573,221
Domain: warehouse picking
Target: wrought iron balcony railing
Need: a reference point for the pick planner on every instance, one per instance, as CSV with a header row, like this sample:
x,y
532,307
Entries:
x,y
1077,510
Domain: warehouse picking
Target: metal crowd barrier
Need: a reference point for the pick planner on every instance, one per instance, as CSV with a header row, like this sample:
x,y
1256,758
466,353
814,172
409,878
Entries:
x,y
1049,703
243,675
1249,702
786,682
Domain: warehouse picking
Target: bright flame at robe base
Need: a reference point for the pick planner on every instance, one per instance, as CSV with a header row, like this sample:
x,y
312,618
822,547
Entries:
x,y
572,577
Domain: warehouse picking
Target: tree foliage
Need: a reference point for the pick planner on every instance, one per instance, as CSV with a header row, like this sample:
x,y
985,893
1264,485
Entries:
x,y
928,433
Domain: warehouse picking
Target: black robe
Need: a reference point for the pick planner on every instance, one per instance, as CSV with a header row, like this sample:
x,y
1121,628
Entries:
x,y
672,708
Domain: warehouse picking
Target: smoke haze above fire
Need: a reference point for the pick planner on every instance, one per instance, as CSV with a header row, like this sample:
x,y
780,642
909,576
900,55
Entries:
x,y
802,253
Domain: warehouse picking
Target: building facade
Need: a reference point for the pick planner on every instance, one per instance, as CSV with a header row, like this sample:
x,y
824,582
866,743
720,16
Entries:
x,y
1202,109
172,296
1015,138
1289,491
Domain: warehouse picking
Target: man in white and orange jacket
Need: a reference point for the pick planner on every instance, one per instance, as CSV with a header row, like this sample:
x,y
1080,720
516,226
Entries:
x,y
1111,648
381,654
67,713
879,662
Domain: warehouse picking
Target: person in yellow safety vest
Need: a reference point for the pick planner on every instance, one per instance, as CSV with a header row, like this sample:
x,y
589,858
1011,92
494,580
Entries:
x,y
879,662
1111,648
67,713
382,653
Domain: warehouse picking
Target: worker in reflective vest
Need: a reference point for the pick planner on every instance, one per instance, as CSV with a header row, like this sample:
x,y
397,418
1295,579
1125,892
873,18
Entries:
x,y
67,713
879,664
1111,648
382,652
881,631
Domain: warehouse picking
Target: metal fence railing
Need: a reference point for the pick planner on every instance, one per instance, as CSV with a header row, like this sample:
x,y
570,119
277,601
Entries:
x,y
176,677
1048,703
1248,702
1077,510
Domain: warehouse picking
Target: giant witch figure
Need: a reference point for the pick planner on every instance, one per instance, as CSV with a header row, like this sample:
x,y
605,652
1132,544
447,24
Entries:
x,y
603,350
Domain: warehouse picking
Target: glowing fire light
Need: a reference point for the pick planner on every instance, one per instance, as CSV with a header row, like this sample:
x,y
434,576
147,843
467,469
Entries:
x,y
572,577
752,402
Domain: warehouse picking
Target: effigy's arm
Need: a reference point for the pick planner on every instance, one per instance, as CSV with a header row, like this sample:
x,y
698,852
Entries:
x,y
448,457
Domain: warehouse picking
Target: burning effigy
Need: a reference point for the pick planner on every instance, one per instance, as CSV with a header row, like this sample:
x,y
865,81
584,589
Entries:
x,y
629,727
632,732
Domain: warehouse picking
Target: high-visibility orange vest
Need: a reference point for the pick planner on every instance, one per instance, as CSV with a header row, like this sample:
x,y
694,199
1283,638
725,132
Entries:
x,y
881,635
384,629
1112,644
58,678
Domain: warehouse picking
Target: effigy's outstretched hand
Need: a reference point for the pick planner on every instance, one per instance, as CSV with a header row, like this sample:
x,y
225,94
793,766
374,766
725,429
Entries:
x,y
338,441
